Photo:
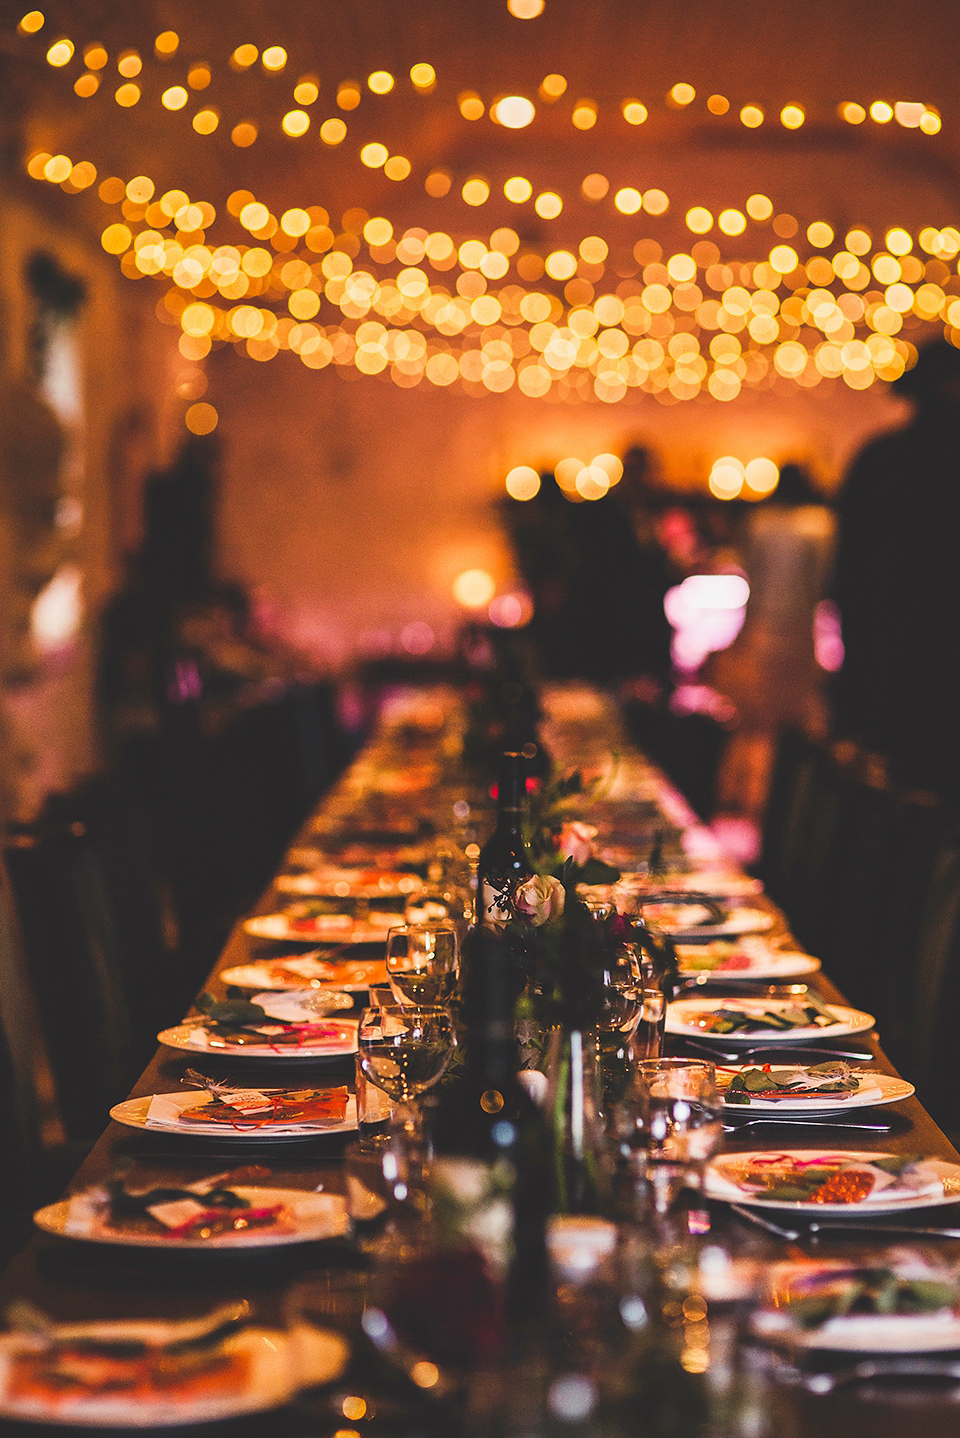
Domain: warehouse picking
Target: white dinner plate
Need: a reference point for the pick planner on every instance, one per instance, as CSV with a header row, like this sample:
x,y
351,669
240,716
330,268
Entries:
x,y
306,1217
331,883
276,1364
751,958
874,1089
682,1017
937,1332
309,972
720,1182
717,882
736,922
324,928
193,1037
164,1118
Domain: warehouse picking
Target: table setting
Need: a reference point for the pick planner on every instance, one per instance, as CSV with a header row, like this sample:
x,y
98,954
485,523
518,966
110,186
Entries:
x,y
718,1137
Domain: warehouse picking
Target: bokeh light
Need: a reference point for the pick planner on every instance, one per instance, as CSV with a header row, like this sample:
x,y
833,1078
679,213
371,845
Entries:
x,y
522,482
474,588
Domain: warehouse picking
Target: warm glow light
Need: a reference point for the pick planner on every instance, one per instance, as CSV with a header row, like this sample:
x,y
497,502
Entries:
x,y
115,239
592,482
726,478
206,121
57,612
333,132
295,222
751,116
881,112
60,53
548,205
522,482
853,113
140,190
306,91
274,57
784,259
57,169
37,164
820,234
611,466
201,418
908,113
295,122
31,22
628,200
86,85
655,202
682,95
127,95
112,190
476,191
634,112
762,476
376,231
699,220
898,241
930,122
175,98
525,9
437,184
509,611
374,156
560,265
423,76
244,134
348,95
584,114
166,44
397,167
552,87
718,104
474,588
858,242
95,57
731,222
470,105
759,207
244,56
594,187
594,250
129,64
792,117
514,112
381,82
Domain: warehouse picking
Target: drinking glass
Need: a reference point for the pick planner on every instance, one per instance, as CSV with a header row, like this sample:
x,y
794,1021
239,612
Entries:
x,y
404,1050
423,962
669,1124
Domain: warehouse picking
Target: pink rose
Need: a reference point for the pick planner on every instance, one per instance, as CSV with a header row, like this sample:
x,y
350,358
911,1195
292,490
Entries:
x,y
540,898
576,840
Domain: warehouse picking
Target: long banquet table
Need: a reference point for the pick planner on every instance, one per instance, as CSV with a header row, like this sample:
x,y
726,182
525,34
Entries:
x,y
76,1280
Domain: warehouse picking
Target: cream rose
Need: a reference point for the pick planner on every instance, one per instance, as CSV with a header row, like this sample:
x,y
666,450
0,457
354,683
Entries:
x,y
540,898
576,840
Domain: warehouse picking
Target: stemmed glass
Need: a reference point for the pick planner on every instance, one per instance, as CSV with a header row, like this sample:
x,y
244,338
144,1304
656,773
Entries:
x,y
404,1050
668,1124
423,962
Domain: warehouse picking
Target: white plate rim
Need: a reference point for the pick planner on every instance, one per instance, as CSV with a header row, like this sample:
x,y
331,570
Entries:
x,y
177,1037
275,926
760,923
856,1022
810,1106
797,963
265,981
53,1216
324,1364
945,1169
132,1113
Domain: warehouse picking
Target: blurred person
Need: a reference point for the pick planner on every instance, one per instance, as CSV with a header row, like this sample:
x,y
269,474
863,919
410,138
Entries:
x,y
898,584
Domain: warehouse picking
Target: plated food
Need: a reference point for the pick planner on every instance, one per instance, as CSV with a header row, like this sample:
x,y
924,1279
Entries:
x,y
907,1304
813,1089
153,1373
223,1213
819,1181
243,1114
269,1026
306,971
692,921
302,923
751,957
719,882
744,1021
326,881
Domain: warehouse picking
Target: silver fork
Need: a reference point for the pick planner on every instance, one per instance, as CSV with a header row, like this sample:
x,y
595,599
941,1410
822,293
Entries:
x,y
807,1123
885,1368
855,1230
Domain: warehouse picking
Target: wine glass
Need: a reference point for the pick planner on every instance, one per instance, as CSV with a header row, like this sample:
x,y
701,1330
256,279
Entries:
x,y
669,1124
404,1050
423,962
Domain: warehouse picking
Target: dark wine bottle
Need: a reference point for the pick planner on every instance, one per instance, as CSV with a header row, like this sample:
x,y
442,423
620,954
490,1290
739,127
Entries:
x,y
504,859
485,1115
